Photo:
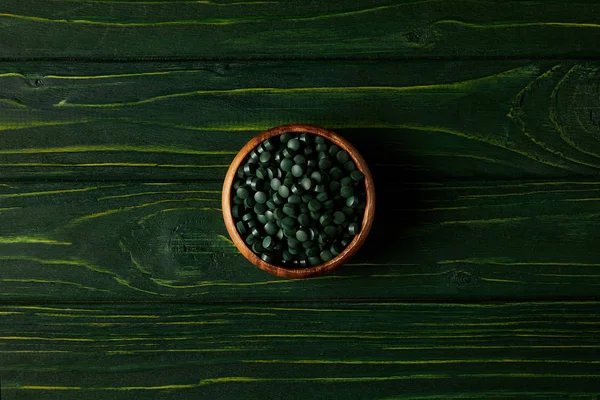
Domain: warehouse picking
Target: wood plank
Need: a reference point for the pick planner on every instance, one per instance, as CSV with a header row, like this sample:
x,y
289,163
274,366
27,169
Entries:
x,y
427,120
298,29
119,241
298,351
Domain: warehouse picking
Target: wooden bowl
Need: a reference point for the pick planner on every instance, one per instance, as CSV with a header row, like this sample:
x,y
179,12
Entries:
x,y
320,269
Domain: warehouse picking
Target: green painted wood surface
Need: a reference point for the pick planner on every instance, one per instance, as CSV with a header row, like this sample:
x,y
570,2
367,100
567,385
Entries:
x,y
167,241
297,351
423,120
299,28
480,122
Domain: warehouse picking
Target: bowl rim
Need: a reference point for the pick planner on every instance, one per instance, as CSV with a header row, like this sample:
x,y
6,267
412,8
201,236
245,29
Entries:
x,y
338,260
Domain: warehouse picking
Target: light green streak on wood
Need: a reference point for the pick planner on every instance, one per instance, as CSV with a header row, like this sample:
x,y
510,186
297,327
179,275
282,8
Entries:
x,y
500,280
122,196
116,148
457,87
51,339
31,240
129,208
212,21
53,309
420,362
494,262
81,263
12,103
116,316
583,346
9,126
55,282
73,262
486,221
115,164
483,196
518,24
12,74
203,2
128,284
47,193
166,210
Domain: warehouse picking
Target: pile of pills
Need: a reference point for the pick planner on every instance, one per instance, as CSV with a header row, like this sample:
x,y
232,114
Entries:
x,y
298,200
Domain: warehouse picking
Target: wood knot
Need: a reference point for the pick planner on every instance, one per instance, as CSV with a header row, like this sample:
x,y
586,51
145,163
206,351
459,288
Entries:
x,y
464,278
421,36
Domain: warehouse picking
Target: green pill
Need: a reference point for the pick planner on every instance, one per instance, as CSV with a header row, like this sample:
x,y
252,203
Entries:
x,y
336,173
285,137
268,242
324,164
249,202
341,156
352,201
299,159
286,165
260,197
293,144
294,199
289,232
304,219
279,214
270,228
314,205
283,191
241,228
262,173
288,221
306,183
330,231
242,193
316,177
260,209
265,157
323,196
353,228
339,217
275,183
236,211
301,235
334,149
237,200
357,176
289,209
297,171
346,191
326,255
314,261
326,219
266,257
257,247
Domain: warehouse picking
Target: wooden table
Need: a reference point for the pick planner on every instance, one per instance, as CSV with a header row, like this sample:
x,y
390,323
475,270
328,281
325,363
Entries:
x,y
481,123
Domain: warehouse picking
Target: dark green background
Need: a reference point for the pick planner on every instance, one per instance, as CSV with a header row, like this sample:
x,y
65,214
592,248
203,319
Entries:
x,y
480,121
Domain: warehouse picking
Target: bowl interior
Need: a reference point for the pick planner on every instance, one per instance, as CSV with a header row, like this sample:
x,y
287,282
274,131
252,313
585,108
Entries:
x,y
325,267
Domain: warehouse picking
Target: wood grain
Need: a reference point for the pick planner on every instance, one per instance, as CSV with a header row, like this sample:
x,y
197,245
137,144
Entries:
x,y
167,241
186,121
299,351
298,29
